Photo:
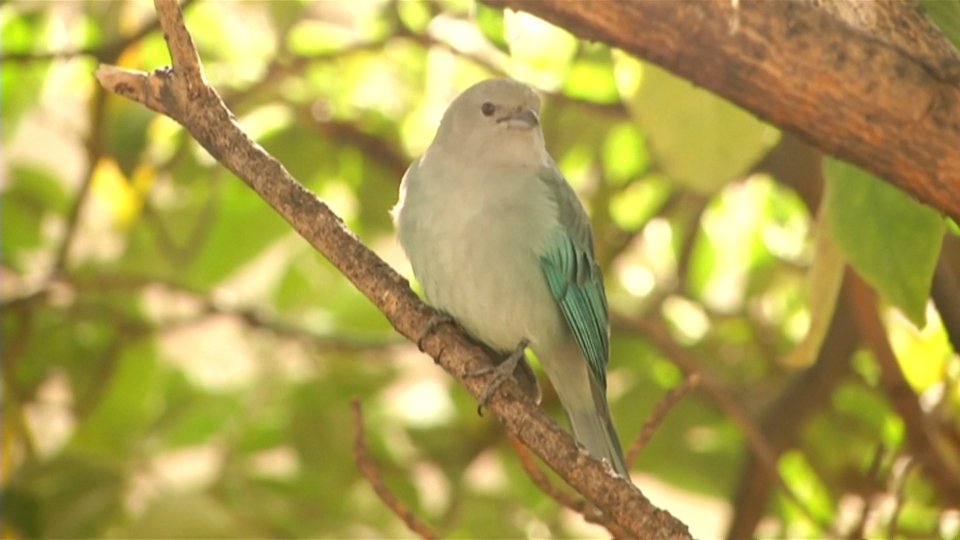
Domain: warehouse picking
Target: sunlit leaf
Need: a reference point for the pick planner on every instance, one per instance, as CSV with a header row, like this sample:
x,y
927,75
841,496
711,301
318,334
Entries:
x,y
591,76
634,205
803,479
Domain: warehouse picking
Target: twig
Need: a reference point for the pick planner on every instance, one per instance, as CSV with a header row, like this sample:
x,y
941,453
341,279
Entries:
x,y
872,479
94,150
901,483
656,418
544,483
894,385
658,333
370,472
589,512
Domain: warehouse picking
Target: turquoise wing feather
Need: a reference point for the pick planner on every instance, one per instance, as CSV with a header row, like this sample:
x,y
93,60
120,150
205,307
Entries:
x,y
574,276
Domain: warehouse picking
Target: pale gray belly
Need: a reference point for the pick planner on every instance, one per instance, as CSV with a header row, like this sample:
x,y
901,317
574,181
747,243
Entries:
x,y
495,289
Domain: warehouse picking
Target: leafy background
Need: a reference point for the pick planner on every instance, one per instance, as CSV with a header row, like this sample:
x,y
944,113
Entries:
x,y
178,363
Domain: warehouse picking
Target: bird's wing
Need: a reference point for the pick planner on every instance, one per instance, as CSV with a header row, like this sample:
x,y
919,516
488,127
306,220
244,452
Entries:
x,y
574,276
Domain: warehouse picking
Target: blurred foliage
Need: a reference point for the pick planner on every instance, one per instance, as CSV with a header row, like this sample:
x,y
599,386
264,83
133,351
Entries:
x,y
178,364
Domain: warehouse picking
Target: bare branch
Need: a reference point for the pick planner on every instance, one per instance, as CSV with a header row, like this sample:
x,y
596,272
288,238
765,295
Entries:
x,y
370,472
656,418
589,512
659,334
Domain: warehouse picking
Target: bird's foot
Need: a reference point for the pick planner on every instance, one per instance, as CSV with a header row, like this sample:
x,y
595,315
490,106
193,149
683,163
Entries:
x,y
500,372
432,325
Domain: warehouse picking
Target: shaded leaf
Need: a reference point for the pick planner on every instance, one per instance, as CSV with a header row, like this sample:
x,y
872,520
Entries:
x,y
825,279
697,138
889,238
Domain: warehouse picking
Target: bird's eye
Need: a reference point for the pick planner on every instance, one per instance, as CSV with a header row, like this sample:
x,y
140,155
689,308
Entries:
x,y
487,108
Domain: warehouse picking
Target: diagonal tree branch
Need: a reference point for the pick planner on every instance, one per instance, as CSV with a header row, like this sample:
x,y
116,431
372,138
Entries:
x,y
855,92
182,94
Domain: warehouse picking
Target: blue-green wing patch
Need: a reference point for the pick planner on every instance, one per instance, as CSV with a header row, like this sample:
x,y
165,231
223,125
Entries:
x,y
575,279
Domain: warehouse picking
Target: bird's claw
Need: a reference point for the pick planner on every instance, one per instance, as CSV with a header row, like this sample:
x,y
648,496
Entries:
x,y
500,373
433,324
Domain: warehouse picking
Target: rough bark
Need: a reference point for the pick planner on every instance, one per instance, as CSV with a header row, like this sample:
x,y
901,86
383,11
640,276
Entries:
x,y
883,94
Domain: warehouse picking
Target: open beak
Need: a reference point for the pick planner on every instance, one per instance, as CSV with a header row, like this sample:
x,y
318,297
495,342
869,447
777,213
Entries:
x,y
523,118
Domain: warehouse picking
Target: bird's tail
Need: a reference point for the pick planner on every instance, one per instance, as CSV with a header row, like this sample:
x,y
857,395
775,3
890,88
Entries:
x,y
585,403
594,429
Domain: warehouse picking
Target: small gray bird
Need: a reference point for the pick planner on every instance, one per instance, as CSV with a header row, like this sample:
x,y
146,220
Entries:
x,y
499,241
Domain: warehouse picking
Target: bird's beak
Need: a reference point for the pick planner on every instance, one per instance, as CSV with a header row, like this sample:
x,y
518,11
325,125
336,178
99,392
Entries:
x,y
522,118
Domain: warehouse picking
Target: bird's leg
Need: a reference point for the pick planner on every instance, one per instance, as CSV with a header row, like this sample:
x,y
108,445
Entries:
x,y
432,325
500,372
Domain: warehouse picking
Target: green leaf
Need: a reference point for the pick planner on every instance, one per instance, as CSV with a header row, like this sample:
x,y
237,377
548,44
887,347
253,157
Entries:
x,y
75,495
126,405
807,485
591,76
21,83
244,226
31,194
189,515
889,238
825,279
697,138
490,22
201,418
946,15
126,137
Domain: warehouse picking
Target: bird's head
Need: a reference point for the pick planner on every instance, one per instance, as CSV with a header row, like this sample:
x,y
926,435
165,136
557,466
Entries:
x,y
497,120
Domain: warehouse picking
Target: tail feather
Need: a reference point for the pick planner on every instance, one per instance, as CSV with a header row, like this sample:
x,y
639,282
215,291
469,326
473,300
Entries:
x,y
594,429
584,400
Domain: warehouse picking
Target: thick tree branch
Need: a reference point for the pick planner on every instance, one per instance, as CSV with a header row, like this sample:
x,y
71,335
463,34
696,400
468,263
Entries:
x,y
856,95
182,94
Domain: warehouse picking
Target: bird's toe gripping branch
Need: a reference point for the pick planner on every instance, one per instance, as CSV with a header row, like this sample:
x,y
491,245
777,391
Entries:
x,y
500,372
433,325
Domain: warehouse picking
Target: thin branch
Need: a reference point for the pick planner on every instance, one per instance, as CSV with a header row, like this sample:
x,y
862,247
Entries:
x,y
106,53
578,505
370,472
94,150
659,413
540,479
892,382
207,306
872,480
658,333
898,495
182,94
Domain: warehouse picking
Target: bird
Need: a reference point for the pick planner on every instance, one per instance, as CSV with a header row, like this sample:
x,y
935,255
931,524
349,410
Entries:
x,y
499,241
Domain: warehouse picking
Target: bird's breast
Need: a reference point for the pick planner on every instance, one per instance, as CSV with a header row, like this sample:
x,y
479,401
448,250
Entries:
x,y
477,257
